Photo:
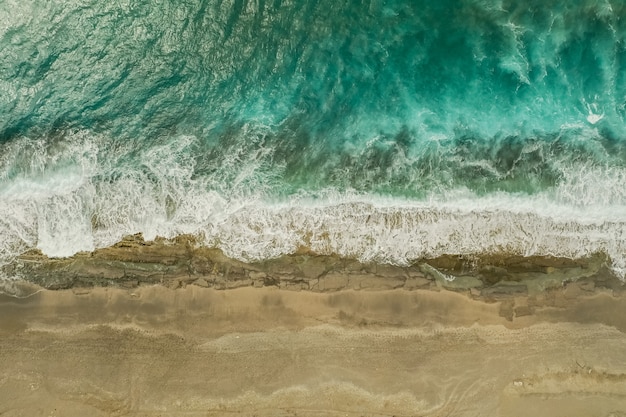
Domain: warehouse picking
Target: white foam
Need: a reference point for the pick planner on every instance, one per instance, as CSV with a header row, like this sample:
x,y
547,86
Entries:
x,y
400,233
89,202
593,116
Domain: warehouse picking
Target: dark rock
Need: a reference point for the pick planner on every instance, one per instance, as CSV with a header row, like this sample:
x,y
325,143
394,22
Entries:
x,y
257,275
373,282
416,282
201,282
332,282
505,289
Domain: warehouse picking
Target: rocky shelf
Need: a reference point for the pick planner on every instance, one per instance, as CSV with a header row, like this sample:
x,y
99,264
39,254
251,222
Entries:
x,y
181,261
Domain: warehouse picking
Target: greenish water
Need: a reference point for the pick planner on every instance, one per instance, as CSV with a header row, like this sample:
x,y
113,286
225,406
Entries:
x,y
264,125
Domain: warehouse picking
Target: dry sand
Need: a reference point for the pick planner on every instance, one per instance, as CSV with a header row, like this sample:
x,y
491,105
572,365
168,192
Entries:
x,y
193,351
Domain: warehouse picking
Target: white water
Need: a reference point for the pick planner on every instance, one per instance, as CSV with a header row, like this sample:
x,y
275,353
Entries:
x,y
69,200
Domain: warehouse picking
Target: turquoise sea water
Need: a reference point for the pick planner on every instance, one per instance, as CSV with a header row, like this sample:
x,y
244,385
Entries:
x,y
381,130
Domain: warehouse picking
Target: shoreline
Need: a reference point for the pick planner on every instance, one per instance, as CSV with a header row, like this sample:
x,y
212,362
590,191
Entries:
x,y
182,261
168,328
519,284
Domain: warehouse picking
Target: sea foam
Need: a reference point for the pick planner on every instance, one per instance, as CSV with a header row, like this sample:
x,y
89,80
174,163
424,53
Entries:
x,y
78,197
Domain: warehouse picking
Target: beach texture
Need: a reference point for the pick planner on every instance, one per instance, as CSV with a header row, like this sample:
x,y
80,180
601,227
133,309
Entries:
x,y
308,336
154,351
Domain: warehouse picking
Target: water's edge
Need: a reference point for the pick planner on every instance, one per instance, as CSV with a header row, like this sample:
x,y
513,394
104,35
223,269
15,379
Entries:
x,y
181,261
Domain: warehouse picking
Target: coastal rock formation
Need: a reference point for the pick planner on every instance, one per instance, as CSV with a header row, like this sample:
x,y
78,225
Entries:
x,y
182,261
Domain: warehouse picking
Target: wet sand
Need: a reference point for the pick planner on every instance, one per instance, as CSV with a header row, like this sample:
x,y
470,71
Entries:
x,y
169,328
152,351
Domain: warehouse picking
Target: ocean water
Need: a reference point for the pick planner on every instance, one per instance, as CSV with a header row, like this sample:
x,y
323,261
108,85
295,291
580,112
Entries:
x,y
385,131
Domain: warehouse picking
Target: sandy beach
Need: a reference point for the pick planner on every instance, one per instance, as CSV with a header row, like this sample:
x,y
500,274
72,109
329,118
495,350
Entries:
x,y
156,349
